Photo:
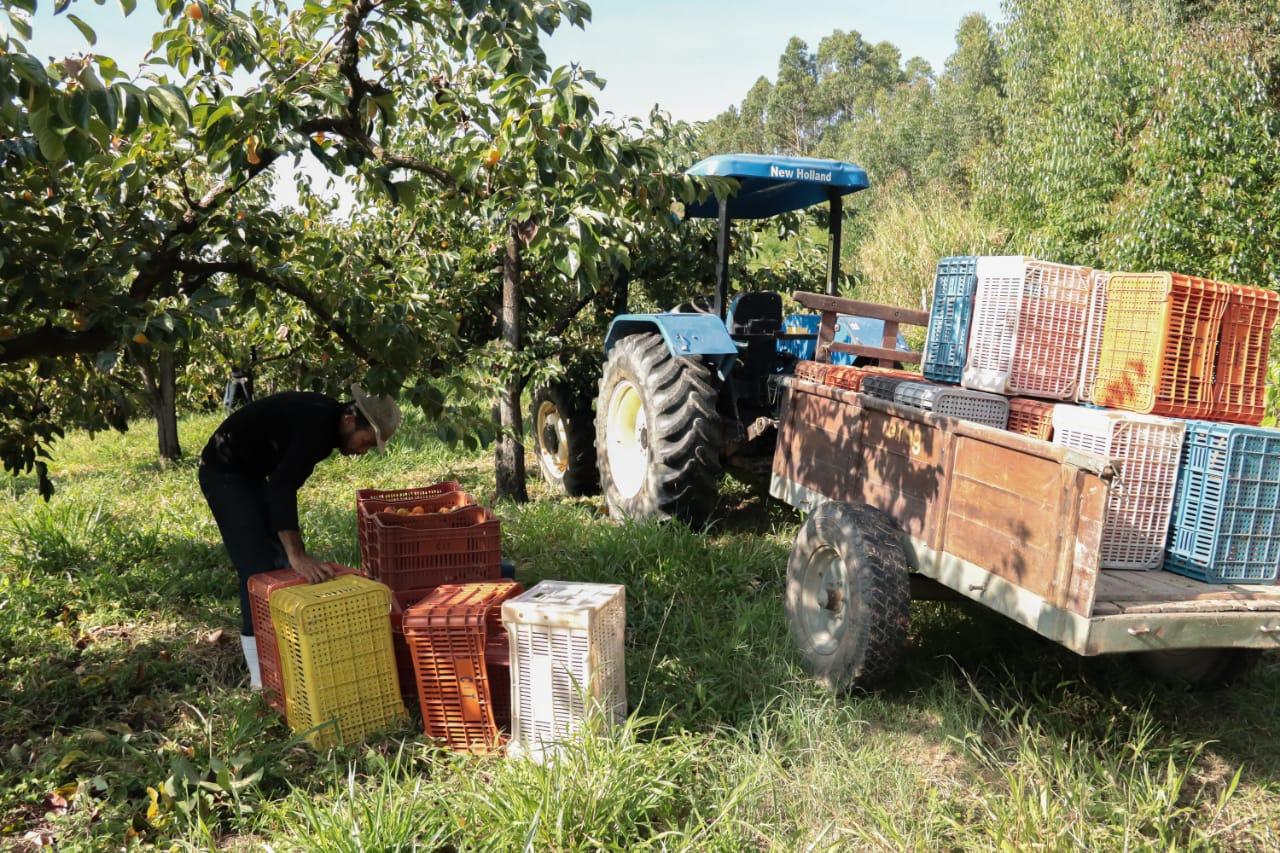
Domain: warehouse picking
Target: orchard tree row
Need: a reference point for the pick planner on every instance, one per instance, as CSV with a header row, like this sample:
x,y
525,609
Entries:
x,y
144,253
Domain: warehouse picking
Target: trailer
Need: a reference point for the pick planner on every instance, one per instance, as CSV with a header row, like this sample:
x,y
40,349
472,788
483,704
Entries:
x,y
903,503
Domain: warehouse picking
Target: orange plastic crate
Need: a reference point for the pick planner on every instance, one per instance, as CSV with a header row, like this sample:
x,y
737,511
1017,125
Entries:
x,y
261,586
1159,343
371,501
1031,417
461,664
421,552
848,376
1240,381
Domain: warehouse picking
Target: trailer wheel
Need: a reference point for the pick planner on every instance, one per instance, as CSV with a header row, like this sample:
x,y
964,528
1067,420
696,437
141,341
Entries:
x,y
658,433
848,596
1198,669
564,440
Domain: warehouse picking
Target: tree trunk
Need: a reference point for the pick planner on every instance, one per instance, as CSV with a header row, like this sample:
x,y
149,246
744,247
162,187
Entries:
x,y
162,396
509,452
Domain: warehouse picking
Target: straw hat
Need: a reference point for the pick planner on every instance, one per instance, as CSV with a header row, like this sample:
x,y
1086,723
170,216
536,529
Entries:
x,y
382,413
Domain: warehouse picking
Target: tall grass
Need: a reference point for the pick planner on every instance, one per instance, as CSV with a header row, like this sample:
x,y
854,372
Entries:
x,y
908,231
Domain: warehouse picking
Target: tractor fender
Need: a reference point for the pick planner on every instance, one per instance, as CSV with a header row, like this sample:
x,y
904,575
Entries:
x,y
686,335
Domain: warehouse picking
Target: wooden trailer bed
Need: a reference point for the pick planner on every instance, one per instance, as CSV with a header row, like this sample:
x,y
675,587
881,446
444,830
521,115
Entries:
x,y
1012,522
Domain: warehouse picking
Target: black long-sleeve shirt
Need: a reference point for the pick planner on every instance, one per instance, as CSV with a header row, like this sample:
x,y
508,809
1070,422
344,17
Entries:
x,y
278,439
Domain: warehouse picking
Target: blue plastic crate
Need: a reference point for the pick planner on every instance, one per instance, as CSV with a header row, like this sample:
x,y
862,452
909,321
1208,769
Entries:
x,y
849,330
947,341
1225,526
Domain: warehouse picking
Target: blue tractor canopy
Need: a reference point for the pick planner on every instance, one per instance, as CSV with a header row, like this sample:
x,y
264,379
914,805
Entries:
x,y
768,186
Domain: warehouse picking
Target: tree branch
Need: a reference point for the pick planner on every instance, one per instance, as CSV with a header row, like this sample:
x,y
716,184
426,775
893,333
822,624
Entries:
x,y
54,341
286,285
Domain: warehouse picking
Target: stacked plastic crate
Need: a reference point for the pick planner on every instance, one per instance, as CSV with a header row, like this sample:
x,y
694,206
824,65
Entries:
x,y
461,664
567,662
1029,322
1146,450
1163,345
1226,512
1159,341
337,665
261,586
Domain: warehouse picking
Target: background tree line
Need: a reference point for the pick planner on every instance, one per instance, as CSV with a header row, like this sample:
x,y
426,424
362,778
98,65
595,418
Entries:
x,y
1120,134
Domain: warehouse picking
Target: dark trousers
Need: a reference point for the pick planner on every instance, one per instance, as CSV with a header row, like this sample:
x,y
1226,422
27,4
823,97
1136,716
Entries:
x,y
239,506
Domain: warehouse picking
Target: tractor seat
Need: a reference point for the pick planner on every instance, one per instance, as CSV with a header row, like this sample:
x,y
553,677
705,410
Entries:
x,y
758,313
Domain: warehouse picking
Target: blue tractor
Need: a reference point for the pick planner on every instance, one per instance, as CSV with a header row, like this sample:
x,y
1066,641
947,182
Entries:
x,y
687,393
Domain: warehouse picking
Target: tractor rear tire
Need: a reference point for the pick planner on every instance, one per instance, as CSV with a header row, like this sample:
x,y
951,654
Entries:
x,y
848,596
564,440
658,433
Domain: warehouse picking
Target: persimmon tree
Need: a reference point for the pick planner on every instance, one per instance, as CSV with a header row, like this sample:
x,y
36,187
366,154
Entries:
x,y
138,216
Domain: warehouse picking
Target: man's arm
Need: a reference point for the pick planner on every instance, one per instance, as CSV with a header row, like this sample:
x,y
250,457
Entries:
x,y
295,466
303,563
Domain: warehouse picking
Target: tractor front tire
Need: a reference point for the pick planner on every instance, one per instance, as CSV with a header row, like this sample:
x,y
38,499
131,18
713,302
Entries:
x,y
658,433
848,596
564,440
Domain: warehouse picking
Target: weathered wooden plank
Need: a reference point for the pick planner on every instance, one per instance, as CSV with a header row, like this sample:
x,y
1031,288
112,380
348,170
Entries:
x,y
826,334
887,355
824,302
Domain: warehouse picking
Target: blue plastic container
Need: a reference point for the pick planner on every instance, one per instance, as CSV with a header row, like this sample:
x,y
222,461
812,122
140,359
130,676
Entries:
x,y
849,330
1225,525
947,341
803,349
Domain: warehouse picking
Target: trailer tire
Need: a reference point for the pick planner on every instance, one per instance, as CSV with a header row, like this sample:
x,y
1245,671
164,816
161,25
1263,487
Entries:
x,y
848,596
564,440
1197,669
658,433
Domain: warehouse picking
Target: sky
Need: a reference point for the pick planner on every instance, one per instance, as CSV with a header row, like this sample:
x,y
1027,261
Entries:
x,y
693,57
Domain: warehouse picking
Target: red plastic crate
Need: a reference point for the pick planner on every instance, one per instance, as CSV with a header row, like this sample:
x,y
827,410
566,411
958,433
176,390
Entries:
x,y
370,501
1159,344
421,552
461,664
813,371
261,586
400,602
1031,417
850,377
1240,380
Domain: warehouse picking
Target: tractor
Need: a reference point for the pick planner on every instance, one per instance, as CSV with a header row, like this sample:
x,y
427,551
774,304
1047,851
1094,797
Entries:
x,y
687,394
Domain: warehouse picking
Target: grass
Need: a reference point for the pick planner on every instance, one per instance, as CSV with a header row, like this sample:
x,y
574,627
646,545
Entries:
x,y
125,718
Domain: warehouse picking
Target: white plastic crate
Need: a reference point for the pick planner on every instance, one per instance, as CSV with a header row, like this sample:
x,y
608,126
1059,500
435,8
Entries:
x,y
566,644
953,402
1146,449
1092,348
1028,329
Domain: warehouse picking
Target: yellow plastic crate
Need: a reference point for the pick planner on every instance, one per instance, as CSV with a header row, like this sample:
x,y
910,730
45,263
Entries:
x,y
337,663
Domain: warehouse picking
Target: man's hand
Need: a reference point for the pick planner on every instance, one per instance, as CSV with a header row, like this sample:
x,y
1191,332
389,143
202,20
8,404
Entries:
x,y
310,568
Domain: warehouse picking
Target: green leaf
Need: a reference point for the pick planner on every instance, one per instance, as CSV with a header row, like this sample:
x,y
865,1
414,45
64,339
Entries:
x,y
61,6
132,111
169,102
47,138
19,23
85,29
30,69
127,6
104,103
